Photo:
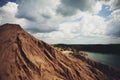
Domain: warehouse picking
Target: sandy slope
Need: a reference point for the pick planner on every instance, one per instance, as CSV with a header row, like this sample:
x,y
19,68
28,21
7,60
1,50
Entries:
x,y
22,57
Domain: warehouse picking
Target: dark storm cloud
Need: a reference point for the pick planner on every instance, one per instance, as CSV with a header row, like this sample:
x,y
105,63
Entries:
x,y
30,18
114,30
46,16
27,10
36,15
38,30
118,4
65,10
103,0
79,4
70,7
34,27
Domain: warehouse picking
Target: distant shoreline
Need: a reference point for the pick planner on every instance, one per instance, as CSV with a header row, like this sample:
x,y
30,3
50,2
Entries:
x,y
101,48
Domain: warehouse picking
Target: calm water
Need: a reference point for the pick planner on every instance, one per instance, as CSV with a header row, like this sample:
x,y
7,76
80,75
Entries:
x,y
109,59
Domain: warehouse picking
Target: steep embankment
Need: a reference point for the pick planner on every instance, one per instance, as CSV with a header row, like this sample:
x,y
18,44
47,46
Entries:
x,y
22,57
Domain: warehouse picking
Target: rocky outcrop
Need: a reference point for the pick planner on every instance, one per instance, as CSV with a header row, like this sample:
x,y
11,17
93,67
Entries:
x,y
23,57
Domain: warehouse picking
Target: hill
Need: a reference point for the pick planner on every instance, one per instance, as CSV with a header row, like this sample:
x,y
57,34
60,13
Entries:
x,y
23,57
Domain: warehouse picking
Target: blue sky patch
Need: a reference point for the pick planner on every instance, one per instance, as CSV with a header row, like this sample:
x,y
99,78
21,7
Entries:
x,y
78,19
105,12
3,2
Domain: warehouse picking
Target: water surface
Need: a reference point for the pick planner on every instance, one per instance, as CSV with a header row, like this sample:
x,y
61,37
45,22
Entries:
x,y
109,59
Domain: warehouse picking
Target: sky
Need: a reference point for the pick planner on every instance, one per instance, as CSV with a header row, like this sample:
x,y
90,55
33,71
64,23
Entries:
x,y
65,21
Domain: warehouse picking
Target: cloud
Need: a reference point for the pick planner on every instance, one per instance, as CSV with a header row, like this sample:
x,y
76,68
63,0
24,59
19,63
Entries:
x,y
65,21
39,15
10,9
8,12
3,2
88,25
46,16
66,10
89,28
70,7
40,28
113,28
114,4
32,10
97,7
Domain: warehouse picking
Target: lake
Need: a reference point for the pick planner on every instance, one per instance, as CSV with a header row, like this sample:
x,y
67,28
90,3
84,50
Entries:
x,y
109,59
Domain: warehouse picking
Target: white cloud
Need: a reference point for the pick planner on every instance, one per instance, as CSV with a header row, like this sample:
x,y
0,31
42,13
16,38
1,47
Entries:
x,y
34,10
97,7
40,14
89,25
8,12
77,24
10,7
